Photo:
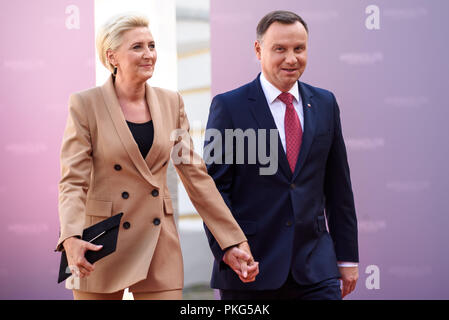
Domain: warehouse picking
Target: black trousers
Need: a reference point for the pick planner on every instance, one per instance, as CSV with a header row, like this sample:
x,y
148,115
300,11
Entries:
x,y
326,290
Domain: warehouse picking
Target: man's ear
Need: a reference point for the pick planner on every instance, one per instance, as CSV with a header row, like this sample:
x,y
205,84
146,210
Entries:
x,y
258,49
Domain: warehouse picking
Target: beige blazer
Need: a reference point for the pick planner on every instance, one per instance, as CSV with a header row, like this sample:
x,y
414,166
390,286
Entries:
x,y
104,173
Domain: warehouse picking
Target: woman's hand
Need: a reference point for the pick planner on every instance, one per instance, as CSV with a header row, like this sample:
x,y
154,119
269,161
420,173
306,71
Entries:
x,y
240,259
75,249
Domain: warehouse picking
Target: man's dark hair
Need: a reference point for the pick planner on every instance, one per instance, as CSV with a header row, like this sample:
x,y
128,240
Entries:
x,y
285,17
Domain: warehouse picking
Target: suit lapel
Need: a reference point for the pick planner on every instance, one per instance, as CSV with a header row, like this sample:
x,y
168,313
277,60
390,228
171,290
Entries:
x,y
261,112
130,145
309,126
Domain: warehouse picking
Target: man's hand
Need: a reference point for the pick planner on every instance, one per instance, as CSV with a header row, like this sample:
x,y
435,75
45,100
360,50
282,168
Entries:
x,y
349,277
240,259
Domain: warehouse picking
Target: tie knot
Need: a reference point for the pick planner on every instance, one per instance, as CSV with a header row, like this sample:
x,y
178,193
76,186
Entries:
x,y
286,98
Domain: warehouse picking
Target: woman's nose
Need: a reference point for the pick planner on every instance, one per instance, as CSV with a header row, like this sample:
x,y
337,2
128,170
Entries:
x,y
148,53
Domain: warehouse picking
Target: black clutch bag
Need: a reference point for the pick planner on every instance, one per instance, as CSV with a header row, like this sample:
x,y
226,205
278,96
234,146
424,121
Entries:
x,y
103,233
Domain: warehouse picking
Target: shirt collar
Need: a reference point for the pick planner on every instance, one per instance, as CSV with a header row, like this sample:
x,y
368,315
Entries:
x,y
271,92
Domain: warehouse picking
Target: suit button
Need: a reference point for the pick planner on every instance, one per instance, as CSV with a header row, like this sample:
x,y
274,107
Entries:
x,y
155,193
288,224
126,225
292,186
156,221
125,195
118,167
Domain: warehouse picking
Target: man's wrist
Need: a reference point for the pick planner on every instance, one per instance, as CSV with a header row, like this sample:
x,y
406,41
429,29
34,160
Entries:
x,y
347,264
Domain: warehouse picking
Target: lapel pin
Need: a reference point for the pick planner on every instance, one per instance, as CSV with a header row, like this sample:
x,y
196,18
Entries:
x,y
309,105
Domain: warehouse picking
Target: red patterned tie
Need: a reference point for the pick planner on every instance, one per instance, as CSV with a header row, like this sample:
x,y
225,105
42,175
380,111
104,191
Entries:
x,y
293,130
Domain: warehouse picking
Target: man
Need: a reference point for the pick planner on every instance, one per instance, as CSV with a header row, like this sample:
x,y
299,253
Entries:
x,y
284,214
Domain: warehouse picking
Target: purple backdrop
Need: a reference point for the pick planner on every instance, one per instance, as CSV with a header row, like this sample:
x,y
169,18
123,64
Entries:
x,y
47,53
387,66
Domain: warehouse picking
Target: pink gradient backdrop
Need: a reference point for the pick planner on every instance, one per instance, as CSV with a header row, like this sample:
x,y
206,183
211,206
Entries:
x,y
391,85
41,63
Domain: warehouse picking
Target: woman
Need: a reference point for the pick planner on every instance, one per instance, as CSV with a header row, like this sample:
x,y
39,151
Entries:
x,y
114,157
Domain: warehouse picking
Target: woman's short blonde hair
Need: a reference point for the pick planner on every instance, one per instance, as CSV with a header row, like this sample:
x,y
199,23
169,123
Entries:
x,y
109,36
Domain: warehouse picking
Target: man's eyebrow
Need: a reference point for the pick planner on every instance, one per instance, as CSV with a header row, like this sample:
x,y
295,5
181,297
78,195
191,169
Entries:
x,y
300,44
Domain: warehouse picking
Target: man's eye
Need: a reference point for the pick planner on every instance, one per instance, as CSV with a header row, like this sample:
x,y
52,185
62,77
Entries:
x,y
152,46
136,47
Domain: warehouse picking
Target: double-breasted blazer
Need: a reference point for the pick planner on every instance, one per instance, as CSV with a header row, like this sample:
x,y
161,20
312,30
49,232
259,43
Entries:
x,y
103,173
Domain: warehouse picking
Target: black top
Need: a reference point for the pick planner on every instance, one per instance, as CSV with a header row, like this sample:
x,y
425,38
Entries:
x,y
143,133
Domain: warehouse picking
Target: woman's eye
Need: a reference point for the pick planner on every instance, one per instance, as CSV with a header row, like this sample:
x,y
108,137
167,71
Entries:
x,y
136,47
152,46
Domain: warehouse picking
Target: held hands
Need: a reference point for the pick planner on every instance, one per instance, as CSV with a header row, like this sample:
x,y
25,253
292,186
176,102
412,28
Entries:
x,y
240,259
75,249
349,277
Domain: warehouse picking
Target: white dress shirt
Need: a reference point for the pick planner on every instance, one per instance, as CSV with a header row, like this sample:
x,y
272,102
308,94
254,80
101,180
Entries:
x,y
277,108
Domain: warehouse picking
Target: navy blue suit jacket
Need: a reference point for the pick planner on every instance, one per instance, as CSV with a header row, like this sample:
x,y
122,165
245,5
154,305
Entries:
x,y
284,215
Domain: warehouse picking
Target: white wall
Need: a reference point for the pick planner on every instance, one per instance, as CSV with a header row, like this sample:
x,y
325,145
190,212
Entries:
x,y
162,18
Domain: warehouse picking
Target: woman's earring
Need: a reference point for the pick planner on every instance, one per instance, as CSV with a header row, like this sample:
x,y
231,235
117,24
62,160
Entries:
x,y
115,71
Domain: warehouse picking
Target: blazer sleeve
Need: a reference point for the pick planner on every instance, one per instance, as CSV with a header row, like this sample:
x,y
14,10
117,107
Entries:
x,y
221,172
340,208
76,165
201,188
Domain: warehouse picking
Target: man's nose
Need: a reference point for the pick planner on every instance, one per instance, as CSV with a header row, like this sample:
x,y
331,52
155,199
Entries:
x,y
290,57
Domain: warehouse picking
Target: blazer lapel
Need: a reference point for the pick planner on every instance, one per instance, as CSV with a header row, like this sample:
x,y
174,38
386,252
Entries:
x,y
309,126
130,145
156,116
261,112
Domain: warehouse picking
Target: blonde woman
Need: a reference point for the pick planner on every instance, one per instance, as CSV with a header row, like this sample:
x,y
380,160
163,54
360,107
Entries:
x,y
114,159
